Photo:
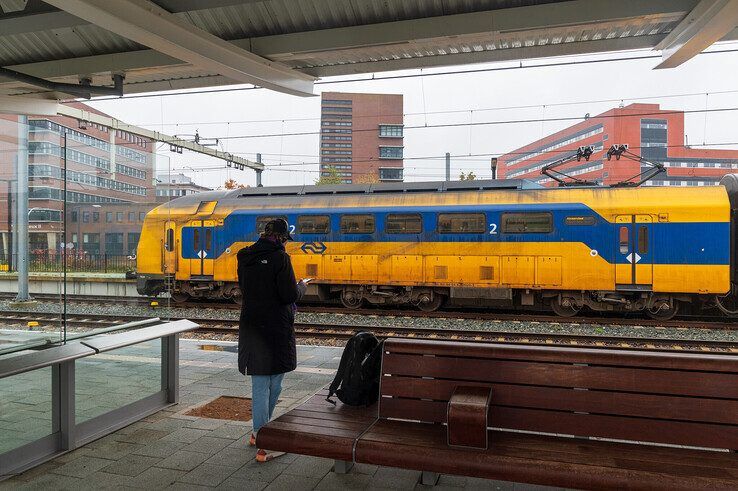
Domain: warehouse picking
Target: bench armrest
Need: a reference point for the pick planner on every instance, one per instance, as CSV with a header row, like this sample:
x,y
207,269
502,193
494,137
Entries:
x,y
467,417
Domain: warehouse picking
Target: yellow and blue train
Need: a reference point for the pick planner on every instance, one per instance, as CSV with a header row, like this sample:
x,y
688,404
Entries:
x,y
485,243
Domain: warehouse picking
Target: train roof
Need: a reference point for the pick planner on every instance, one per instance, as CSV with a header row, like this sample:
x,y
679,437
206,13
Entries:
x,y
387,187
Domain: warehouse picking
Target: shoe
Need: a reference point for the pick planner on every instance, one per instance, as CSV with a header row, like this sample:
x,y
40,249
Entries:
x,y
267,455
252,440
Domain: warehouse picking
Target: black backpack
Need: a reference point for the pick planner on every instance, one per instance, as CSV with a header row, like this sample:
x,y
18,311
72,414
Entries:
x,y
357,379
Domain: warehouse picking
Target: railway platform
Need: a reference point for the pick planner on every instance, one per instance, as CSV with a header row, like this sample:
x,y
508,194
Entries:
x,y
173,450
103,284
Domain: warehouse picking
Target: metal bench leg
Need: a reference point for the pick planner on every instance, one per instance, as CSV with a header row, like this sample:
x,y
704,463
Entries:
x,y
429,478
342,466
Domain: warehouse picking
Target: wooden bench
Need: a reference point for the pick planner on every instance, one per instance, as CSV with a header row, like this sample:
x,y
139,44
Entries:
x,y
571,417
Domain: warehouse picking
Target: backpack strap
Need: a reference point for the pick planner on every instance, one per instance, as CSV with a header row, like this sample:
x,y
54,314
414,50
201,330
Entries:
x,y
340,372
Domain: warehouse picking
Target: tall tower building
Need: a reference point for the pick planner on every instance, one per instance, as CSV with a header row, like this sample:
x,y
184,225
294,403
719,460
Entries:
x,y
361,136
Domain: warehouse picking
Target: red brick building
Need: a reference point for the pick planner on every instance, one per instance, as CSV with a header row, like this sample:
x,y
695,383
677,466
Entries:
x,y
361,136
655,134
104,169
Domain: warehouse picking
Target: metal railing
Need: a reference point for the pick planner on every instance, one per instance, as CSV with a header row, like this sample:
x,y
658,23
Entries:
x,y
47,262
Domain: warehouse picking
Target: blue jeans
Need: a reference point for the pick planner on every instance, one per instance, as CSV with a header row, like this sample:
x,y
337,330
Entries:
x,y
265,390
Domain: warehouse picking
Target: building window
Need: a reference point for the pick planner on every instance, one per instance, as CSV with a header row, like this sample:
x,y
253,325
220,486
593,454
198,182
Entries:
x,y
327,109
44,215
91,243
313,224
390,174
527,223
133,243
119,216
131,216
461,223
74,217
357,224
141,216
109,216
390,130
114,243
86,216
390,152
345,102
406,223
654,139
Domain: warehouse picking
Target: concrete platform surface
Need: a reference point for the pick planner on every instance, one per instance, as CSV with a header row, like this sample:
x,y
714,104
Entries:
x,y
170,450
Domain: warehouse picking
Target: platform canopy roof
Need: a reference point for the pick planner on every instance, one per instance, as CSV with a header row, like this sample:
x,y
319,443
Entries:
x,y
285,45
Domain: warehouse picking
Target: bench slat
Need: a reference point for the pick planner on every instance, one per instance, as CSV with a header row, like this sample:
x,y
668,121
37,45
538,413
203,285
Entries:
x,y
569,423
624,358
609,468
565,399
704,384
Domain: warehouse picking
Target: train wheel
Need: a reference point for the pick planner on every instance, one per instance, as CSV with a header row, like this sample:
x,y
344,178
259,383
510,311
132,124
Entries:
x,y
351,299
180,297
430,303
564,310
664,311
237,298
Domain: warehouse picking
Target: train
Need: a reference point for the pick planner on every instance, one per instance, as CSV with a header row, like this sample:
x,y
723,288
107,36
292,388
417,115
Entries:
x,y
487,243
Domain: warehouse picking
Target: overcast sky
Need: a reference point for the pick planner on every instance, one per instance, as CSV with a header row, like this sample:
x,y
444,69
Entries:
x,y
503,93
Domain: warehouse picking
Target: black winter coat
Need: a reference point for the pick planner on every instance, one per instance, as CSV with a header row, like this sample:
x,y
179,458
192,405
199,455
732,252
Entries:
x,y
266,336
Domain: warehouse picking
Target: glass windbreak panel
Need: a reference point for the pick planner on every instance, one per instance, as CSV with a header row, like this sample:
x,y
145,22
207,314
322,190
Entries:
x,y
113,379
357,224
461,223
398,223
261,221
111,182
25,408
31,226
527,223
313,224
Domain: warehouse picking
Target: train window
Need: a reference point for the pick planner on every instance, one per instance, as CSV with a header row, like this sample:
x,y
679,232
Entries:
x,y
461,223
196,239
527,223
643,240
403,223
169,244
624,240
208,238
262,221
313,224
357,224
585,220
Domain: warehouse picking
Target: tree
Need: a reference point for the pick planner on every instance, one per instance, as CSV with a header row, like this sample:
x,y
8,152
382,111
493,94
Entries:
x,y
329,175
232,184
467,177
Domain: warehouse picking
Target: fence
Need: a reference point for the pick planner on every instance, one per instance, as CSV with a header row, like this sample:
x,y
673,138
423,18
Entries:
x,y
86,263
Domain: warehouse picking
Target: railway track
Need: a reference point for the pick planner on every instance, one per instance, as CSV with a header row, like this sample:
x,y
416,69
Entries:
x,y
682,322
339,332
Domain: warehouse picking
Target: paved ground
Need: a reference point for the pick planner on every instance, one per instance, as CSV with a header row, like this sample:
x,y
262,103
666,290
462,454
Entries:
x,y
174,451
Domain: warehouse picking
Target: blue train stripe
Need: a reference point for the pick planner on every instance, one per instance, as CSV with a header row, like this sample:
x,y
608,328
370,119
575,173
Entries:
x,y
709,241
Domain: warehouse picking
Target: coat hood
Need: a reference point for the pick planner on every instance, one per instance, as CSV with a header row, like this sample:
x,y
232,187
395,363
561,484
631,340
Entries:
x,y
258,250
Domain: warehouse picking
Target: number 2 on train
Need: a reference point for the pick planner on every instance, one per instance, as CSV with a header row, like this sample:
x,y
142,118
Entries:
x,y
493,229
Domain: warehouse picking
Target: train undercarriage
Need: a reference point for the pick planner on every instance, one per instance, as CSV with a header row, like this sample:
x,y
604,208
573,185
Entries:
x,y
662,306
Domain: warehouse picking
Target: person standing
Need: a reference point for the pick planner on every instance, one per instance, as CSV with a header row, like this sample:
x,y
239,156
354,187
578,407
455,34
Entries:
x,y
266,335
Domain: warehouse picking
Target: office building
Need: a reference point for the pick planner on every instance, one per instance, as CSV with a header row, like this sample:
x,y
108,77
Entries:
x,y
361,136
653,133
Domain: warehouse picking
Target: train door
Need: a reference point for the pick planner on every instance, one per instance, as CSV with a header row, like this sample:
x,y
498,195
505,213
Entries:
x,y
203,251
634,259
169,249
